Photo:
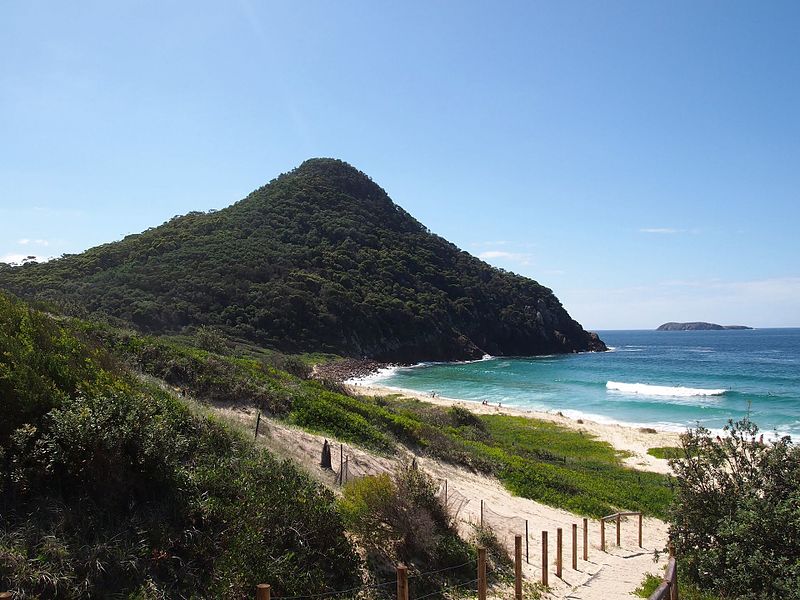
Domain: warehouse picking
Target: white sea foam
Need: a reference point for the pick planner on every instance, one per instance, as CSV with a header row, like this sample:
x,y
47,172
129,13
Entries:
x,y
379,375
660,390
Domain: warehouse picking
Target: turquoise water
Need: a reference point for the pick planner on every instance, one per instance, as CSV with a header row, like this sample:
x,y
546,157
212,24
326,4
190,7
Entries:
x,y
664,379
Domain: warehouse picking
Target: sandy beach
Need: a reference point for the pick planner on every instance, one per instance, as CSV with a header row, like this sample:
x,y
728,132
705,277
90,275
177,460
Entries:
x,y
632,440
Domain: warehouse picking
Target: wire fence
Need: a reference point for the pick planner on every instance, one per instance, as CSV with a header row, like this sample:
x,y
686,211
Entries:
x,y
504,527
402,584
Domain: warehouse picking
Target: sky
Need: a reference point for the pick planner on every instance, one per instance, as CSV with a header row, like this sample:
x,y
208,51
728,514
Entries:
x,y
641,159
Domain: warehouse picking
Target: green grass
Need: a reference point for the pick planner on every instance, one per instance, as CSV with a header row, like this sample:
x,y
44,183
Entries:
x,y
649,585
665,452
688,590
535,459
567,469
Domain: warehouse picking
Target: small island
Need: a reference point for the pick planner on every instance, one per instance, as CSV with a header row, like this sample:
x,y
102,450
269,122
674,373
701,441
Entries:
x,y
698,326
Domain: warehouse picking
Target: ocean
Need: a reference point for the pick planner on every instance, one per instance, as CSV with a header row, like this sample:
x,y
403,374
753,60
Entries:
x,y
663,379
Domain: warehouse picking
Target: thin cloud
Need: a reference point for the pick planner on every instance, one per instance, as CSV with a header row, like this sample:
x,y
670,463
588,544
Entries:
x,y
28,241
16,259
520,258
661,230
494,243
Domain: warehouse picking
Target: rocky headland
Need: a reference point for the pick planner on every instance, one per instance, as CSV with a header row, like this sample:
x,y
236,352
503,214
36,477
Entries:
x,y
698,326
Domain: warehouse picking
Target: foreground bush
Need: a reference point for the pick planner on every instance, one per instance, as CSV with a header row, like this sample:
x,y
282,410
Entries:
x,y
736,517
400,518
109,488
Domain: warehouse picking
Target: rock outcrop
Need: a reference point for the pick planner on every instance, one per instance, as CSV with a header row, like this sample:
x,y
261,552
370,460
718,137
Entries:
x,y
698,326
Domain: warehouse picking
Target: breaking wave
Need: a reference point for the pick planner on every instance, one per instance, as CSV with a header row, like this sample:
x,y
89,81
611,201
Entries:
x,y
661,390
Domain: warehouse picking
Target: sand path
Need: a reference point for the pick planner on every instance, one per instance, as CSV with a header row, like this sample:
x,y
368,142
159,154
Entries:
x,y
607,575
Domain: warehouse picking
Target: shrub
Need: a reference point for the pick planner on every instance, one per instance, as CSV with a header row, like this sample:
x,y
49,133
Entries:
x,y
736,516
401,518
124,491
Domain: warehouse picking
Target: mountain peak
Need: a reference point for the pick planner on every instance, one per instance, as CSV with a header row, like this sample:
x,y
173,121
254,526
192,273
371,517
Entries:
x,y
320,259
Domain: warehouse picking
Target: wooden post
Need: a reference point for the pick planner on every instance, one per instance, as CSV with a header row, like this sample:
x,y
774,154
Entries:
x,y
445,492
640,530
671,550
675,595
518,567
481,574
619,520
603,535
255,437
402,582
544,558
527,556
262,591
574,547
558,552
481,513
341,464
585,539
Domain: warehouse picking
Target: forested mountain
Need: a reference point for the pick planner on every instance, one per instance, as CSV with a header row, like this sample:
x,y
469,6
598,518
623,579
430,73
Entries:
x,y
320,259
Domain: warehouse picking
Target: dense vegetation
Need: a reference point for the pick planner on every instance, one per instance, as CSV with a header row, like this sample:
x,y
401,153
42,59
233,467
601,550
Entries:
x,y
736,517
535,459
110,487
320,259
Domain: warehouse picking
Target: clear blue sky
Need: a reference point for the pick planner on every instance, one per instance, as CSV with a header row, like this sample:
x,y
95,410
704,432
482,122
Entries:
x,y
640,158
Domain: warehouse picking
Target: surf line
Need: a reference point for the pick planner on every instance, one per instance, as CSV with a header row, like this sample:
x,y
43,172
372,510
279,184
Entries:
x,y
661,390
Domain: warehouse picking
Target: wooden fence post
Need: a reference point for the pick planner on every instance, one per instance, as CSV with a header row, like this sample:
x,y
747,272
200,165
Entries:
x,y
603,535
640,530
341,464
585,539
402,582
527,556
574,547
518,567
262,591
619,521
481,513
481,574
558,552
675,582
544,558
255,437
445,492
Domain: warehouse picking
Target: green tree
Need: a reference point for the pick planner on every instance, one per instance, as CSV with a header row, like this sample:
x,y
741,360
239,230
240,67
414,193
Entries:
x,y
736,517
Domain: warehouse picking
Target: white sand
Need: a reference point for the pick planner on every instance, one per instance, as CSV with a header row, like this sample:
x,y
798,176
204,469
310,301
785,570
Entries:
x,y
607,575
